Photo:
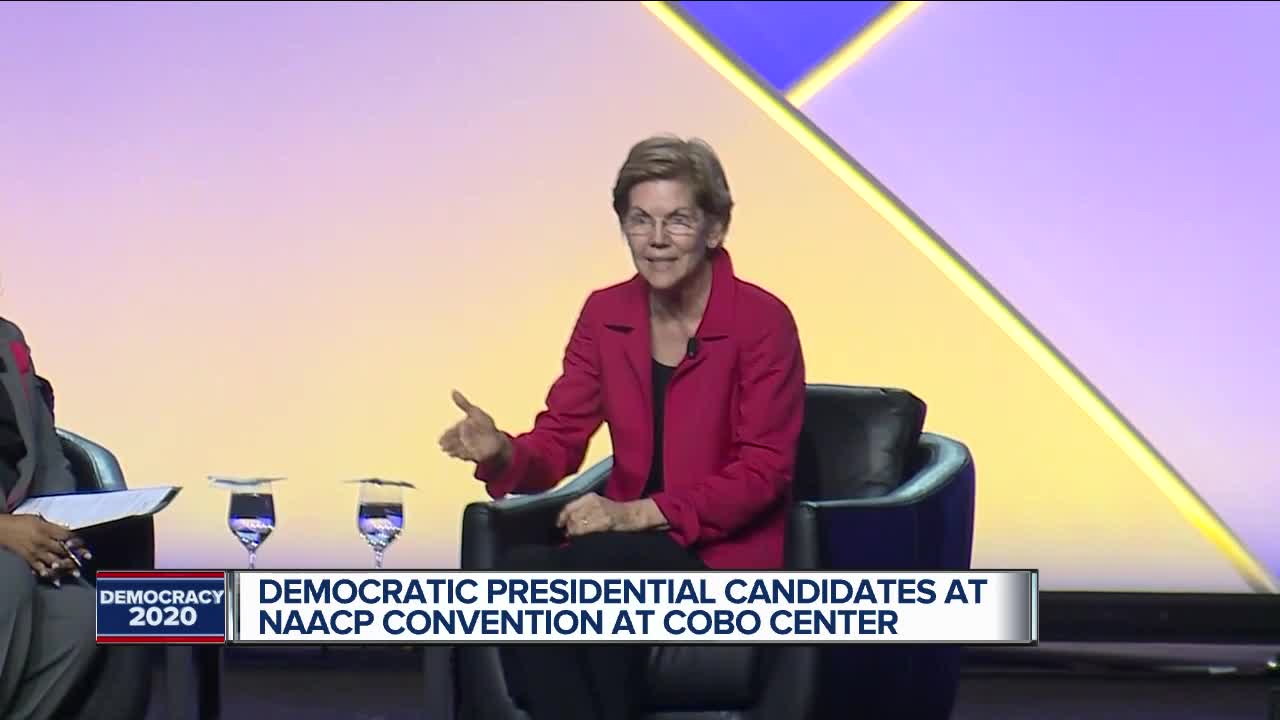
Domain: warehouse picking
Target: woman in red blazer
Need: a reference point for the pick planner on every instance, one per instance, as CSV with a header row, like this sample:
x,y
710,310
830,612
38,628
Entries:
x,y
700,378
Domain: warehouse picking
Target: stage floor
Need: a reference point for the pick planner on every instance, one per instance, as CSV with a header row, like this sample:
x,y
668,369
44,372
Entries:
x,y
1055,681
1082,657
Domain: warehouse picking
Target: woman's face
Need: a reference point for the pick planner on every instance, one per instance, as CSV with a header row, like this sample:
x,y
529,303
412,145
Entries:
x,y
668,235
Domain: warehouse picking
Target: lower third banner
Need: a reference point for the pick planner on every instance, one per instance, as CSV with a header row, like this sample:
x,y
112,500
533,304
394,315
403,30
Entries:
x,y
747,608
161,607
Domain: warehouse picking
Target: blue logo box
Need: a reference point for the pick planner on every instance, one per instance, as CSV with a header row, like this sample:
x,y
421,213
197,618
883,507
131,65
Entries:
x,y
161,606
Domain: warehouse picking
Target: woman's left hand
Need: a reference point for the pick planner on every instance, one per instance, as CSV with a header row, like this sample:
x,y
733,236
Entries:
x,y
592,513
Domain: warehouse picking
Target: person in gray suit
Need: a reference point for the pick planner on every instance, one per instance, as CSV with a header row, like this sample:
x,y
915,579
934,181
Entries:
x,y
50,663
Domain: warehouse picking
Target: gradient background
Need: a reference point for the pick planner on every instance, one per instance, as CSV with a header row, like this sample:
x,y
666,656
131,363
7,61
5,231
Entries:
x,y
271,238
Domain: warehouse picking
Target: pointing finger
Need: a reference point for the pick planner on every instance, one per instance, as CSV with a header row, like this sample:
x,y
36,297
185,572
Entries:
x,y
463,404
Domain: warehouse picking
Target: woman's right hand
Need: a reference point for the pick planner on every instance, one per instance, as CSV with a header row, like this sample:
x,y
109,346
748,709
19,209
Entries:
x,y
475,437
41,543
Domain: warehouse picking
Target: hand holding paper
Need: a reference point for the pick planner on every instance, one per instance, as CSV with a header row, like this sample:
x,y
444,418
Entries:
x,y
45,546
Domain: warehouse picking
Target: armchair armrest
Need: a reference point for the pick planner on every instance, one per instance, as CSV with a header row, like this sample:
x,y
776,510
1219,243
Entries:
x,y
490,528
128,544
926,523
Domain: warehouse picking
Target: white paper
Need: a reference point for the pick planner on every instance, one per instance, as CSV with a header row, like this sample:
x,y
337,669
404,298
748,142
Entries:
x,y
82,510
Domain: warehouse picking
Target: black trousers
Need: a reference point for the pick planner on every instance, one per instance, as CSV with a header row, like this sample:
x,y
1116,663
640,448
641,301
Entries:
x,y
592,682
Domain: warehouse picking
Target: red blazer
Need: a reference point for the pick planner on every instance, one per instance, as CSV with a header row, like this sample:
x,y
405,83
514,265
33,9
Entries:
x,y
733,417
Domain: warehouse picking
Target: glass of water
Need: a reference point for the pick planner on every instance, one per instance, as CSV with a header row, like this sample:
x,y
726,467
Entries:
x,y
251,514
380,514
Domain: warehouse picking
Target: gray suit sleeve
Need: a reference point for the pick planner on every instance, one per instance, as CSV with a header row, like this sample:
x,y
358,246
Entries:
x,y
55,467
53,471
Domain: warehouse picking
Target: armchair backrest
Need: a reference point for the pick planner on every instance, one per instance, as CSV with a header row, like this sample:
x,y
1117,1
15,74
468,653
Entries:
x,y
93,466
857,442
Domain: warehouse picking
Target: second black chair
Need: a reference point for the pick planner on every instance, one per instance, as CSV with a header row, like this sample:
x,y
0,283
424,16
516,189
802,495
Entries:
x,y
872,492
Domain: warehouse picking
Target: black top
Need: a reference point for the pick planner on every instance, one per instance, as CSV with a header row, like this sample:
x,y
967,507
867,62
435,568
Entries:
x,y
661,377
12,449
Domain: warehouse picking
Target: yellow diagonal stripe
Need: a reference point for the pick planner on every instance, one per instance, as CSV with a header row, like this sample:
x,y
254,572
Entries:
x,y
1196,512
849,53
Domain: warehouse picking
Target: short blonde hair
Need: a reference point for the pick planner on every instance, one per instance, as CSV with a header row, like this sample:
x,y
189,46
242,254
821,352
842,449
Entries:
x,y
667,157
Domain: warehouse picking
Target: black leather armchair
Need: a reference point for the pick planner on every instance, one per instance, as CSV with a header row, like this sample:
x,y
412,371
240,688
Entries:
x,y
872,493
192,674
878,494
683,682
124,545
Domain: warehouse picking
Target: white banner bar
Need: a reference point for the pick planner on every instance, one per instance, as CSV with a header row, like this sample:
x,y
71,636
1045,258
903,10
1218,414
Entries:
x,y
369,607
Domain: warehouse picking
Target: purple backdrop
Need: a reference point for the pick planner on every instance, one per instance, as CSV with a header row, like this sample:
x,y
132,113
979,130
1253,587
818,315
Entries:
x,y
1110,169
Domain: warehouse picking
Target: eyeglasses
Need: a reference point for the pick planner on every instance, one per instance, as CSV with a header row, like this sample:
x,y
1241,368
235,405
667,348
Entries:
x,y
641,225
